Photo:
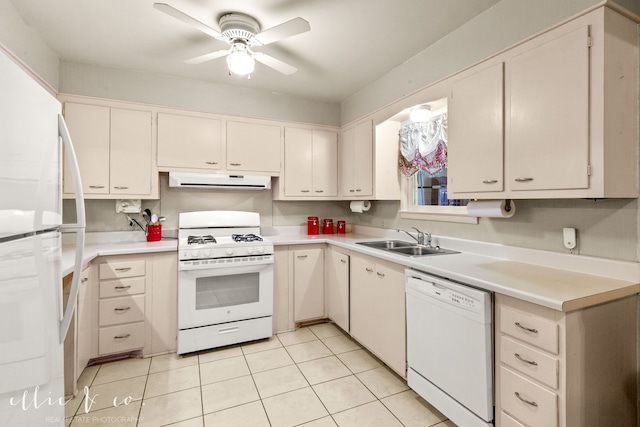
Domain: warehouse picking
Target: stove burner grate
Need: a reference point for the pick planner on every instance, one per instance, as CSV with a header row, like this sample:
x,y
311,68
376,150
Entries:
x,y
201,240
246,238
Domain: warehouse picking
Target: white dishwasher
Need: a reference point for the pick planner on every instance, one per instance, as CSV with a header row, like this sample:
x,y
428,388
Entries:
x,y
450,346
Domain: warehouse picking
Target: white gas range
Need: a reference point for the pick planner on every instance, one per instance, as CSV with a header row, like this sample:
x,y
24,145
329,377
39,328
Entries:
x,y
225,280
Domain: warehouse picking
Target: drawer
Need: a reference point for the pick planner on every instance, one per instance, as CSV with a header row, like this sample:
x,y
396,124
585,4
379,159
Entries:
x,y
538,365
122,287
116,270
116,339
527,401
529,328
507,421
121,310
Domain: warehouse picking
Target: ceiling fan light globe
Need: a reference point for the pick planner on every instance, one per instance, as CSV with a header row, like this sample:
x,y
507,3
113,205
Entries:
x,y
421,113
240,63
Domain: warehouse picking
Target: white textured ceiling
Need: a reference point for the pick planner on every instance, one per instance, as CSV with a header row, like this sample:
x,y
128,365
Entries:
x,y
351,42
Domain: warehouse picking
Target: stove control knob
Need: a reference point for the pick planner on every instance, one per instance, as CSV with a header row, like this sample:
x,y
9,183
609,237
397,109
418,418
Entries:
x,y
229,251
206,252
260,249
249,250
195,253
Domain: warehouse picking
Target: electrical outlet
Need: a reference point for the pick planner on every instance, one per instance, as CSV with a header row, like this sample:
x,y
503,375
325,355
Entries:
x,y
569,238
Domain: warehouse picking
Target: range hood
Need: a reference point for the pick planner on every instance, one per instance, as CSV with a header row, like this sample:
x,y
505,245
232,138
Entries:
x,y
219,181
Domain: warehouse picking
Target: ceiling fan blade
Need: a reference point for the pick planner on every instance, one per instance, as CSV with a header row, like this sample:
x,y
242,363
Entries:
x,y
172,11
282,31
274,63
207,57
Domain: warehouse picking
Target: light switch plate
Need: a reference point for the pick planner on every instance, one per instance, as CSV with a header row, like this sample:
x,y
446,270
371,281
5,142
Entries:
x,y
569,237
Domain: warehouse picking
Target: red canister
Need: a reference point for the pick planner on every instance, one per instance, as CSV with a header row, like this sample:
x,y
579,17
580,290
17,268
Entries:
x,y
342,227
154,232
327,226
313,225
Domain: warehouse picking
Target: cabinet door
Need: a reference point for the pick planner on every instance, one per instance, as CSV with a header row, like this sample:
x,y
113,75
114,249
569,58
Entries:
x,y
189,142
89,130
298,160
86,330
549,115
337,280
476,137
131,152
356,170
325,163
253,147
362,301
282,313
308,291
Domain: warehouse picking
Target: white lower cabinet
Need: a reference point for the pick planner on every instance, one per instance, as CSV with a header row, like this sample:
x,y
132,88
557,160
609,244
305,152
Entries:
x,y
377,309
337,287
565,369
308,284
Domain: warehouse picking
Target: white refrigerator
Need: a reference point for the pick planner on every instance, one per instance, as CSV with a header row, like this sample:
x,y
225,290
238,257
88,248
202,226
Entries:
x,y
32,322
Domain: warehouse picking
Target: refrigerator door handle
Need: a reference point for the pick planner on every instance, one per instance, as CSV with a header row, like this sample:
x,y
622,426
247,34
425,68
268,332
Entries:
x,y
77,228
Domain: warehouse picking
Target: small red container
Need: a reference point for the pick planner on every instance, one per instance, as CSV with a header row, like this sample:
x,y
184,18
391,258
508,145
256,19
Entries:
x,y
313,226
327,226
342,227
154,233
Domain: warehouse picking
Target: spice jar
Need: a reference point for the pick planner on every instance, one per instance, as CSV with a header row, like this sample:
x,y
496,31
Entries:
x,y
342,227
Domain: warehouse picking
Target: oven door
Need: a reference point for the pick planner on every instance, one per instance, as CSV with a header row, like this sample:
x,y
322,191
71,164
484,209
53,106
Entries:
x,y
211,296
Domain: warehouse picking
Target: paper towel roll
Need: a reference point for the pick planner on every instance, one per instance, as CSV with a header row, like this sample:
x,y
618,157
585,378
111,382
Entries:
x,y
492,208
360,206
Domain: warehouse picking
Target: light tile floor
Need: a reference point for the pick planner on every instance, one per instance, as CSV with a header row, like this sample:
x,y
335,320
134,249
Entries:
x,y
314,377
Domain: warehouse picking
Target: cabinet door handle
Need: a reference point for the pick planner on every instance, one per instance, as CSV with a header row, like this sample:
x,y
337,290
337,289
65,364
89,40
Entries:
x,y
211,163
302,256
304,191
96,186
528,402
369,270
84,279
530,362
119,187
490,181
523,179
533,331
358,190
319,191
121,337
123,269
344,261
121,288
122,309
380,274
235,164
351,191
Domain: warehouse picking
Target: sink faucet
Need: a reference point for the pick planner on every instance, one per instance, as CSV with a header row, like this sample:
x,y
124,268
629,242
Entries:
x,y
421,236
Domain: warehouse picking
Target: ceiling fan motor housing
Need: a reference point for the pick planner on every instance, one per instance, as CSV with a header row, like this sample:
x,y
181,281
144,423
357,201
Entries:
x,y
237,26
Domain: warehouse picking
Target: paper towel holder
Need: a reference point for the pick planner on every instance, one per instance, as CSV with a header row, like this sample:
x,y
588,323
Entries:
x,y
507,205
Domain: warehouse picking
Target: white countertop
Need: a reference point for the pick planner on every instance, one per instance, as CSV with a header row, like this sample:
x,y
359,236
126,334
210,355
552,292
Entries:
x,y
559,281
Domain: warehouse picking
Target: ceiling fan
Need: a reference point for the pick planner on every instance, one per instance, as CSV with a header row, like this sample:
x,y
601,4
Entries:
x,y
241,32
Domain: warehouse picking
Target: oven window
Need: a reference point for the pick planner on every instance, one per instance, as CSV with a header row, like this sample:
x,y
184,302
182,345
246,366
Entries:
x,y
225,291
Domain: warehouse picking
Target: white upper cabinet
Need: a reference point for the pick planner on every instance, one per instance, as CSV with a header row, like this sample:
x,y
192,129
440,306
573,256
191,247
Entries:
x,y
310,163
549,114
356,170
253,147
476,138
114,147
570,116
189,142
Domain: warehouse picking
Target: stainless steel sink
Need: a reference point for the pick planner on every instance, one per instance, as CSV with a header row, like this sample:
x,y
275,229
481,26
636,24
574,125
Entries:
x,y
406,248
387,244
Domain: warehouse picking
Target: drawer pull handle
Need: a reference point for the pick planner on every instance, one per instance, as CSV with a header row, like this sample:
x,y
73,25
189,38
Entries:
x,y
533,331
352,191
369,270
530,362
235,164
302,256
524,179
122,309
228,330
319,191
121,337
96,186
490,181
304,191
119,187
358,190
123,269
380,274
121,288
528,402
211,163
